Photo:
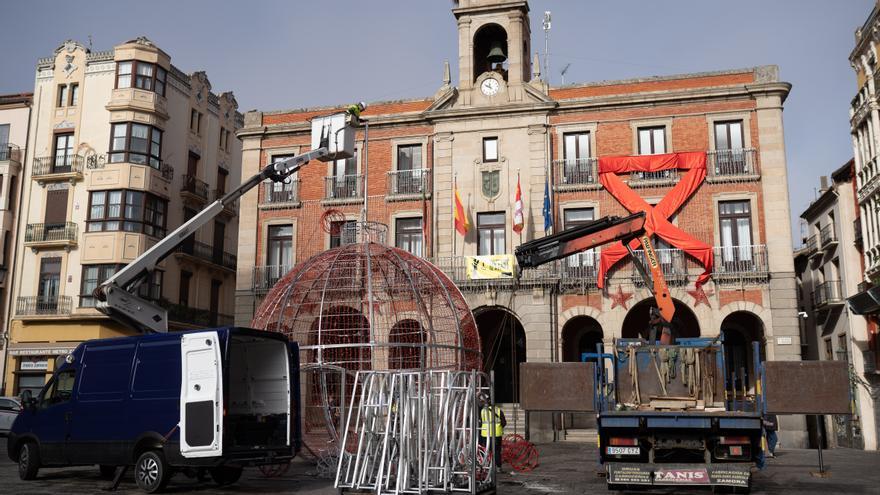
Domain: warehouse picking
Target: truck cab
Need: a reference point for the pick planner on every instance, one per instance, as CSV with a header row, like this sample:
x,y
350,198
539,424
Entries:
x,y
218,399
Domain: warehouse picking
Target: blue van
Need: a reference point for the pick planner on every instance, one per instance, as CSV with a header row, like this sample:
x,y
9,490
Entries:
x,y
217,399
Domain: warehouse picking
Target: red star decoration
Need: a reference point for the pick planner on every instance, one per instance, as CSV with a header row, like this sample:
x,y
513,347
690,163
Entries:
x,y
620,298
700,296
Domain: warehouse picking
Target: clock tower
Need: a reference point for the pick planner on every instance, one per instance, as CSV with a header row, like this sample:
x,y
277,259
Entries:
x,y
494,42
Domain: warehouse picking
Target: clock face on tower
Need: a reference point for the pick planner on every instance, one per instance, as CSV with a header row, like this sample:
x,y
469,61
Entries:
x,y
490,86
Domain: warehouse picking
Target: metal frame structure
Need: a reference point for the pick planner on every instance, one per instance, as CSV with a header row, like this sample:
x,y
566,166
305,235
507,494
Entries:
x,y
417,432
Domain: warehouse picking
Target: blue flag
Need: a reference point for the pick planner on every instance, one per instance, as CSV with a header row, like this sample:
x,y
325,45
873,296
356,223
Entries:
x,y
548,213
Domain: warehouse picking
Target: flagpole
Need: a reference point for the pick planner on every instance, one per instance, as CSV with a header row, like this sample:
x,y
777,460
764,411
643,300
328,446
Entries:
x,y
519,190
454,233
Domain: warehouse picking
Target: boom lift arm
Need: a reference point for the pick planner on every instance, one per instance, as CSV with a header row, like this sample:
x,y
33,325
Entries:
x,y
603,231
116,296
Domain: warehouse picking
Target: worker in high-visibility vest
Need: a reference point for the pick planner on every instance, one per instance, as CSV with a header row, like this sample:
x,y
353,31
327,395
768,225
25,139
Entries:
x,y
492,420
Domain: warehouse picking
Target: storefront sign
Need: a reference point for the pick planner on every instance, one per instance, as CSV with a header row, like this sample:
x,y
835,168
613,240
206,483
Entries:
x,y
33,364
490,267
678,474
45,351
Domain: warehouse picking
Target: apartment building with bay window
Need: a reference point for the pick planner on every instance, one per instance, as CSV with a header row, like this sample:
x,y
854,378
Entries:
x,y
123,148
500,124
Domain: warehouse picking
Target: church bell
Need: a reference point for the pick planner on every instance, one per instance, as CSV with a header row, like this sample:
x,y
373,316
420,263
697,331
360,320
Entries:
x,y
496,53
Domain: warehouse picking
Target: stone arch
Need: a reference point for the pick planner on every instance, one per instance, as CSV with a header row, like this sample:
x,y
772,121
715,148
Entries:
x,y
740,329
484,38
503,343
580,335
635,324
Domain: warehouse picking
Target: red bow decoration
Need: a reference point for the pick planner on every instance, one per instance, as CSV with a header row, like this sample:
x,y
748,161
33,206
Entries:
x,y
656,217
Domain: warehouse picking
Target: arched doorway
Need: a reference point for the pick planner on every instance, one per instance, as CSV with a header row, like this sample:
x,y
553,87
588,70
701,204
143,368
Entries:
x,y
740,329
406,346
684,323
579,335
503,342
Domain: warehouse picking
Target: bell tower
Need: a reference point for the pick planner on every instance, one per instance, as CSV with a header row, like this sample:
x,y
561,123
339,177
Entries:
x,y
494,41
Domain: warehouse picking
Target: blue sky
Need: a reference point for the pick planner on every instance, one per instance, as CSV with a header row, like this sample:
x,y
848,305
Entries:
x,y
289,54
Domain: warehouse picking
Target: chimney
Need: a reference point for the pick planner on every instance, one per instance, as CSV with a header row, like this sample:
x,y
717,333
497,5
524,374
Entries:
x,y
823,183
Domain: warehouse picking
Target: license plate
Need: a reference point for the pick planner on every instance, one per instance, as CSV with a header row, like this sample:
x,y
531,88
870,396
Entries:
x,y
622,450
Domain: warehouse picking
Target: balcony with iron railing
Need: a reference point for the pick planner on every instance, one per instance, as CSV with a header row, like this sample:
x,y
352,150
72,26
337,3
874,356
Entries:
x,y
57,168
746,262
343,188
827,237
50,234
828,294
406,184
857,231
733,264
10,153
812,245
574,174
280,194
44,306
732,165
187,316
229,209
194,188
266,276
207,253
673,262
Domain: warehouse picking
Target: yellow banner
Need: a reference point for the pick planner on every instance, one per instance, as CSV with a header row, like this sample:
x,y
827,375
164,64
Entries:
x,y
490,267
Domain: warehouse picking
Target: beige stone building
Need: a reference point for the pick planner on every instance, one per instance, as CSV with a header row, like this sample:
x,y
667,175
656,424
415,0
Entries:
x,y
15,111
829,267
500,123
123,148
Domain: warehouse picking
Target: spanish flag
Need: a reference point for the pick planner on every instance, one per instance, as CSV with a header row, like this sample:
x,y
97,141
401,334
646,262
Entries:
x,y
461,221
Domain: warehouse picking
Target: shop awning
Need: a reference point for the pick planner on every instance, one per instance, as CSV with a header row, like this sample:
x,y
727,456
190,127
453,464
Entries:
x,y
866,302
40,348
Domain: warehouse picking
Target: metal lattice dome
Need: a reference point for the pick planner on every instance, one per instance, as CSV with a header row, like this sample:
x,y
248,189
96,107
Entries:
x,y
365,306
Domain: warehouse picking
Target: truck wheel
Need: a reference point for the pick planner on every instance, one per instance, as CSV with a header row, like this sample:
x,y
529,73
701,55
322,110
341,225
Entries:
x,y
28,461
151,472
226,475
107,471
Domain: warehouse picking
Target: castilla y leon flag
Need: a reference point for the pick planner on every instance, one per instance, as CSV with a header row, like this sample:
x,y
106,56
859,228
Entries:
x,y
461,221
518,209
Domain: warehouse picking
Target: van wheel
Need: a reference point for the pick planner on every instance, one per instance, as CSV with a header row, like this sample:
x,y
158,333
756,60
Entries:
x,y
107,471
28,461
151,472
226,475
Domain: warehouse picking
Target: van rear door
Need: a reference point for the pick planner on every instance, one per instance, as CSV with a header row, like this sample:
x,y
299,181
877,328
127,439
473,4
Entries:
x,y
201,395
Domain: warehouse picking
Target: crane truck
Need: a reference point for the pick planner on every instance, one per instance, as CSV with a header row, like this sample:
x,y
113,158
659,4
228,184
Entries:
x,y
667,411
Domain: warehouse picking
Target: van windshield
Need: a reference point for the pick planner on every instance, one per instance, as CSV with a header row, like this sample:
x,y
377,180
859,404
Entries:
x,y
60,389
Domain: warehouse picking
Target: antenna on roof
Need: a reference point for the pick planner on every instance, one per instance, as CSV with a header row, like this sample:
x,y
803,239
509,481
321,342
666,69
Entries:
x,y
547,25
563,71
90,42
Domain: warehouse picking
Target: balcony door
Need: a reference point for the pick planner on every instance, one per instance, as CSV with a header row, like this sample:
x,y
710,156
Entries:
x,y
735,218
55,217
188,244
576,152
219,239
63,153
50,284
729,155
214,303
409,169
580,264
279,256
345,177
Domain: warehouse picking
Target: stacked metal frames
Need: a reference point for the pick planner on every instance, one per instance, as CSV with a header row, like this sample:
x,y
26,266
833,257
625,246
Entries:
x,y
360,307
417,432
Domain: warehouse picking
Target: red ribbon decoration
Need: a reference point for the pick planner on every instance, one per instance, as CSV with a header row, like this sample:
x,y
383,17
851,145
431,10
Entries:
x,y
656,217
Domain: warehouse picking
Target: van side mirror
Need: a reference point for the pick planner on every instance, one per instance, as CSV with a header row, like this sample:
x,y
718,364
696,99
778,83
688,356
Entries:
x,y
27,400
